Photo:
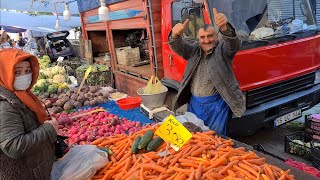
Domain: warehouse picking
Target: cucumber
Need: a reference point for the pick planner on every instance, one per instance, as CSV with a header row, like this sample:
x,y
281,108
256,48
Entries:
x,y
154,144
146,138
134,147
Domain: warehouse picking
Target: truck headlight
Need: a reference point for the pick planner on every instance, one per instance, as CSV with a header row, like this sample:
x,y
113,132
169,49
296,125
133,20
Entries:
x,y
317,79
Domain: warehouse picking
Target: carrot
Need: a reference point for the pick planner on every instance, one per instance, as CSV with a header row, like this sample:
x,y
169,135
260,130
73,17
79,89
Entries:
x,y
115,169
131,171
141,174
265,177
284,175
128,163
191,150
248,168
215,175
112,140
97,177
181,177
154,167
189,164
218,162
228,166
98,141
113,159
231,173
246,173
258,162
121,153
269,172
200,150
105,168
192,175
199,172
255,167
171,169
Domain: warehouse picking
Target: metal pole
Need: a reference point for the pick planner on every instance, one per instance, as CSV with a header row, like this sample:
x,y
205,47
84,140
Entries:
x,y
153,40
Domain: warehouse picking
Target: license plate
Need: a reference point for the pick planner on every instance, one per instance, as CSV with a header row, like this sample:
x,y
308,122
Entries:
x,y
288,117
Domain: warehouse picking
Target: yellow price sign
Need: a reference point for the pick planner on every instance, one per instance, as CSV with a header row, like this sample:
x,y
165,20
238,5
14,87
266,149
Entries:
x,y
87,72
174,132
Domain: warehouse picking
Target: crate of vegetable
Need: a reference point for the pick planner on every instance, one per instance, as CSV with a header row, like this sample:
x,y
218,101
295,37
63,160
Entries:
x,y
298,143
315,154
312,124
99,75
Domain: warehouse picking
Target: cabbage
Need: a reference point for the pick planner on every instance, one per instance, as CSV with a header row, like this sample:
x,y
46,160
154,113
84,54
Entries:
x,y
42,85
59,79
57,70
52,89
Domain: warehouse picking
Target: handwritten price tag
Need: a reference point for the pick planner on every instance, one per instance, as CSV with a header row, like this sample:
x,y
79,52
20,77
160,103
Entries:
x,y
60,59
174,132
87,72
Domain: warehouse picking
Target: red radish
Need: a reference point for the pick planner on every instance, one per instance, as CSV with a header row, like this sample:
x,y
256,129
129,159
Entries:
x,y
82,137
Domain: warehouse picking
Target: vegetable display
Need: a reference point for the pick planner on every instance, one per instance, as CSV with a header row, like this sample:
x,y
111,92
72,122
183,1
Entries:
x,y
55,76
58,100
99,75
204,156
89,127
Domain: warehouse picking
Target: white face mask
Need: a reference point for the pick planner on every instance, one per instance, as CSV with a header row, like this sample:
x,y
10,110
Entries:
x,y
22,83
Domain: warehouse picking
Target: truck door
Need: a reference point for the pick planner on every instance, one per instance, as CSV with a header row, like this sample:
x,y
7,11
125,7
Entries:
x,y
178,12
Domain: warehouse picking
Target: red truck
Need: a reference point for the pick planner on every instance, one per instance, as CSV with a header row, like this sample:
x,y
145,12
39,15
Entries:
x,y
278,70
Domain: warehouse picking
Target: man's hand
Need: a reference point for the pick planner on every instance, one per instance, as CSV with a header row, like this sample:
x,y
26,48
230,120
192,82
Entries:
x,y
178,29
220,19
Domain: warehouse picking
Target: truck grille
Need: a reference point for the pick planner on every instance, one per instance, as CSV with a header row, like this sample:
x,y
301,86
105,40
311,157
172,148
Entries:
x,y
268,93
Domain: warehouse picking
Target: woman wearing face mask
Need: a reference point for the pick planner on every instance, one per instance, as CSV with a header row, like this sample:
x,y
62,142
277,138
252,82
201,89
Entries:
x,y
26,134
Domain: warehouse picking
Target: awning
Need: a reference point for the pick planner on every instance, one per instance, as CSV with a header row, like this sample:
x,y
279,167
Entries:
x,y
43,23
38,5
11,29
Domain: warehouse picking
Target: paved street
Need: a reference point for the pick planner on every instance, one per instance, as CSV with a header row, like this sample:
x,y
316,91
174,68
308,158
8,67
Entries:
x,y
273,139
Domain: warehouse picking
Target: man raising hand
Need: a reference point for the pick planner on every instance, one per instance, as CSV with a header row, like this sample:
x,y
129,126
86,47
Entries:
x,y
209,84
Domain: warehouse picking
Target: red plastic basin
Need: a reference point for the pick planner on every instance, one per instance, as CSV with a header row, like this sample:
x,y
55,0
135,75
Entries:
x,y
129,103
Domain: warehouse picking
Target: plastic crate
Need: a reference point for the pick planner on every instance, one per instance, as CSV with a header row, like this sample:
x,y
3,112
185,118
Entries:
x,y
315,154
128,56
312,127
293,147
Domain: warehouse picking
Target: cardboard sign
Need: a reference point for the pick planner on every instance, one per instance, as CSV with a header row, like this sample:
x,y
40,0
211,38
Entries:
x,y
174,132
60,59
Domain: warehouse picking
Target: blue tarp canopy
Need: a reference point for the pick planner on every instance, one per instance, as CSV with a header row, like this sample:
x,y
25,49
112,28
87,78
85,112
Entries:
x,y
42,23
84,5
11,29
39,5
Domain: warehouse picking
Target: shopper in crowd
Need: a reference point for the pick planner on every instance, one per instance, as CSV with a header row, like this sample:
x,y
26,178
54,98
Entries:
x,y
27,135
209,84
4,41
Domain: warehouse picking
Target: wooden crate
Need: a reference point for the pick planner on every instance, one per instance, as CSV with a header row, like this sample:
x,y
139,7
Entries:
x,y
128,56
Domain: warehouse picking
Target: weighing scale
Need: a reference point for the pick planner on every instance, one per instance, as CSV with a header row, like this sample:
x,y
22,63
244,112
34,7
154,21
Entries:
x,y
156,114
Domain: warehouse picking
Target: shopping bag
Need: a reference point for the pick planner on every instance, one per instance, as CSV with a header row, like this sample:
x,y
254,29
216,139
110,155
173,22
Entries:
x,y
80,163
154,86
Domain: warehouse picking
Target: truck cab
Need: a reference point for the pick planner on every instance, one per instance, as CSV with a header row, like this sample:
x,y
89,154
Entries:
x,y
278,65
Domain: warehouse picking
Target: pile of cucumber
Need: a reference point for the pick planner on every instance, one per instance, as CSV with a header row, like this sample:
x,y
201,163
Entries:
x,y
146,142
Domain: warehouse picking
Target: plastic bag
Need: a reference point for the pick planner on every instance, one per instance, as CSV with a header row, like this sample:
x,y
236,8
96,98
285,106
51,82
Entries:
x,y
153,87
80,163
190,117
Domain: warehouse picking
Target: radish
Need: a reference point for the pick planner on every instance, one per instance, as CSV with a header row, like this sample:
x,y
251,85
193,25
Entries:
x,y
82,137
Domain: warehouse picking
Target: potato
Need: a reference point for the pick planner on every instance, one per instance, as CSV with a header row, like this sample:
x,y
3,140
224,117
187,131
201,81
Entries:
x,y
68,106
93,102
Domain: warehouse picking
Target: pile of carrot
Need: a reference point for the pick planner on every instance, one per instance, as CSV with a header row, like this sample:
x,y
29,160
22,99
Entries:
x,y
204,156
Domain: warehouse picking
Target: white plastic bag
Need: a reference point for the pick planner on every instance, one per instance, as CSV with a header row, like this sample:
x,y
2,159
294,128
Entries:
x,y
80,163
